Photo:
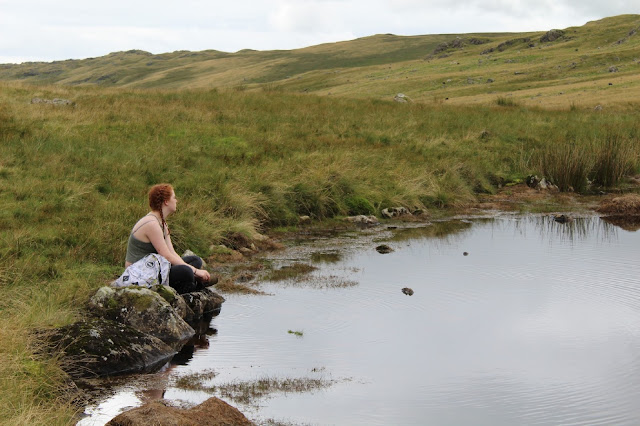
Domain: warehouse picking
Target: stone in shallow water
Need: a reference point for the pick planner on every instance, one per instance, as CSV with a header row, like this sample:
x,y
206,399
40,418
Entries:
x,y
212,412
101,347
384,249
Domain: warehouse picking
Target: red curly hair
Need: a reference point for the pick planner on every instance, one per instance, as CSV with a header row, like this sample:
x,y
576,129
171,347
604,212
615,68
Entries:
x,y
158,194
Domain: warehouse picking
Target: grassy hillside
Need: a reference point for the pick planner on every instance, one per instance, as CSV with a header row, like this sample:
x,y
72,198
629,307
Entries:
x,y
574,68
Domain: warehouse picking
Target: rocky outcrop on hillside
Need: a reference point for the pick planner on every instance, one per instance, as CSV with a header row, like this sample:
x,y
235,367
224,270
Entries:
x,y
551,35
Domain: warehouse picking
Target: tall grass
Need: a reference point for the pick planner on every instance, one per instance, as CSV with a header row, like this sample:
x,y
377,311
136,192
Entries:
x,y
615,157
73,180
602,160
568,166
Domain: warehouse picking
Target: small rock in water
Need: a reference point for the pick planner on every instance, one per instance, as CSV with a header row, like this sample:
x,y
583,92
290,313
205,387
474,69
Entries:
x,y
562,218
465,254
407,291
383,249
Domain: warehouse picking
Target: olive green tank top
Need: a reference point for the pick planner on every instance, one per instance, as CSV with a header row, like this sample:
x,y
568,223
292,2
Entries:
x,y
137,249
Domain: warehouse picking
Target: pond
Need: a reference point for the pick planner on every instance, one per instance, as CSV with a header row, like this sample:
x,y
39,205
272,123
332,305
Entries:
x,y
513,320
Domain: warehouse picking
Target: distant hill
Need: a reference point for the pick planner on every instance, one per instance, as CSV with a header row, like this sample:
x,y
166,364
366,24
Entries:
x,y
596,62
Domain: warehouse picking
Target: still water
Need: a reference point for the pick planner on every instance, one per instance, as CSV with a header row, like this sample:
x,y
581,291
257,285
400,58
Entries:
x,y
513,320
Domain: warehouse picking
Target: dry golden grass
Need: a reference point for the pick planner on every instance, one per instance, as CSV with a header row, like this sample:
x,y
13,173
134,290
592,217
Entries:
x,y
624,205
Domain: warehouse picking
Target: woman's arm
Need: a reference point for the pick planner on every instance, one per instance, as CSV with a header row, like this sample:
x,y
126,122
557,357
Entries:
x,y
170,244
201,274
154,233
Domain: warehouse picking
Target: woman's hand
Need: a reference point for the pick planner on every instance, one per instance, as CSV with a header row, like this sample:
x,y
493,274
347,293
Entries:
x,y
202,275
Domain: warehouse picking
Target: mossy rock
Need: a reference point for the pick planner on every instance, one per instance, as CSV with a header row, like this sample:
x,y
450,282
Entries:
x,y
143,309
102,347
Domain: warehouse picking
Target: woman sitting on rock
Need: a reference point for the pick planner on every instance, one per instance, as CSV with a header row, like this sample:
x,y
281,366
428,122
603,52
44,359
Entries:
x,y
151,235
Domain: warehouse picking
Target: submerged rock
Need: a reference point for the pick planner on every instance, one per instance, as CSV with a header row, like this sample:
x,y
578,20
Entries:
x,y
102,347
212,412
562,218
407,291
384,249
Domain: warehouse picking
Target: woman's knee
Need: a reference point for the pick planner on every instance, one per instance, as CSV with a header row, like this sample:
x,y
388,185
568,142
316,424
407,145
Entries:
x,y
193,260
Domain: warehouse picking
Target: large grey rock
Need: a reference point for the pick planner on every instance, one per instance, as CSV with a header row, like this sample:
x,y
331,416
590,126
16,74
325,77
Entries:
x,y
203,302
551,35
101,347
142,309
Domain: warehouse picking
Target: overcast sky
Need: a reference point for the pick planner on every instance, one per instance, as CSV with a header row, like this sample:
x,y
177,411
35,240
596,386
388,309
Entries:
x,y
46,30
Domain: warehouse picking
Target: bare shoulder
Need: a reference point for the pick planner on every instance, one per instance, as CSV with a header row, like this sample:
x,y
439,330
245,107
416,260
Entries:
x,y
144,225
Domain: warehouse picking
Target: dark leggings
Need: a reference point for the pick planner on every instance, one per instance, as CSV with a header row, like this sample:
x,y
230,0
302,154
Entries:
x,y
181,276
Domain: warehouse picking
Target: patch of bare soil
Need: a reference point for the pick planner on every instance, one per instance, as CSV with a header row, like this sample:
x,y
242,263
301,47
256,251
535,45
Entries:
x,y
212,412
623,205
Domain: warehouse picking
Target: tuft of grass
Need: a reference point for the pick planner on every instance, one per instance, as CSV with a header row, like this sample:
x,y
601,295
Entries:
x,y
290,272
615,157
503,101
326,257
247,392
229,285
568,165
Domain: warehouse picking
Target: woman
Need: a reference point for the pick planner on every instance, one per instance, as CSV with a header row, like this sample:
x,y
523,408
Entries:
x,y
151,235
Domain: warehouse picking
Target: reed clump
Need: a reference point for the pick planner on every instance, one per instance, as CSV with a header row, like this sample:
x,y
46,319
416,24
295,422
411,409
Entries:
x,y
601,160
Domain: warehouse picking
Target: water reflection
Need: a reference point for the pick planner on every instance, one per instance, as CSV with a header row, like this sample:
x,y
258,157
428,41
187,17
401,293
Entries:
x,y
628,223
539,324
573,230
441,230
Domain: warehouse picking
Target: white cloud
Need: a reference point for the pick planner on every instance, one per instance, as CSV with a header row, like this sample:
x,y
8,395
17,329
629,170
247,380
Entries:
x,y
47,30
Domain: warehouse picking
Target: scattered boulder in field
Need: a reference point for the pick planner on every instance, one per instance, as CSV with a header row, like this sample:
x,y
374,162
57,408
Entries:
x,y
55,101
395,212
613,69
363,219
598,108
102,347
401,97
212,412
142,309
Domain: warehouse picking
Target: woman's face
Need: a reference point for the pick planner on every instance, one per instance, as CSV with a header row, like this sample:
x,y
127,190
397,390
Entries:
x,y
172,202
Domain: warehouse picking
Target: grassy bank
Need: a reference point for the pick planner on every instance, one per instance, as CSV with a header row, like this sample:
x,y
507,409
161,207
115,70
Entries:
x,y
73,180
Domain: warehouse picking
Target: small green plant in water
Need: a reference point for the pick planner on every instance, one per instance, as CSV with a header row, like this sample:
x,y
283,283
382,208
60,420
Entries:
x,y
296,333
